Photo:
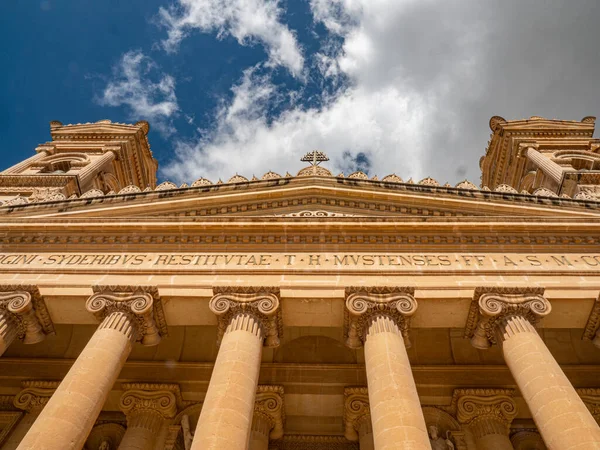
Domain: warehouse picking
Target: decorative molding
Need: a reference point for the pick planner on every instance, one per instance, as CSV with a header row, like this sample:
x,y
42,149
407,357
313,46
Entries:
x,y
316,213
485,411
490,306
269,406
25,308
592,327
142,304
364,304
8,420
35,395
591,398
307,442
261,303
356,411
166,185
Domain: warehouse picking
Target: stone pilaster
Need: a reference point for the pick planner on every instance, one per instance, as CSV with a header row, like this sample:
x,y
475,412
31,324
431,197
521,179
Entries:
x,y
248,318
128,314
488,413
147,407
507,317
269,417
357,417
23,315
592,328
378,318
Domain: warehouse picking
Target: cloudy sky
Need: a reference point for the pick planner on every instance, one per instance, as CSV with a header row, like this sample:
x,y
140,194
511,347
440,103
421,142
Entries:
x,y
247,86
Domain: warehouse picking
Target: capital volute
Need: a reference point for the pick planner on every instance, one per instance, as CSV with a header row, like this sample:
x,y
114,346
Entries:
x,y
269,406
356,411
485,410
141,304
152,398
365,304
524,146
25,308
492,306
261,303
35,395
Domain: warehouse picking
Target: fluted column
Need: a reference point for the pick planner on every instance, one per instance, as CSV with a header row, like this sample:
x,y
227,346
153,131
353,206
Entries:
x,y
247,320
87,173
32,399
268,418
508,317
146,407
23,315
552,170
378,318
527,440
42,152
127,315
488,413
357,417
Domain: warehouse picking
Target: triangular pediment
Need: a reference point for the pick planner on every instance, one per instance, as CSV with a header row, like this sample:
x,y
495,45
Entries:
x,y
310,198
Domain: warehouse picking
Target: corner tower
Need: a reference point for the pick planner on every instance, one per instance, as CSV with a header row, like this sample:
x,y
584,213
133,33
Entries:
x,y
101,156
559,156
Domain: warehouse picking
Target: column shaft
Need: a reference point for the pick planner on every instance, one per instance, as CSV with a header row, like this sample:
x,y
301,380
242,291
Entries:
x,y
550,168
91,170
365,435
561,417
69,416
491,435
8,332
142,429
226,416
396,414
259,434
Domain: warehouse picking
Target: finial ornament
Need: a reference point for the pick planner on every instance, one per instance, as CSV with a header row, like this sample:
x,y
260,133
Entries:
x,y
492,306
315,157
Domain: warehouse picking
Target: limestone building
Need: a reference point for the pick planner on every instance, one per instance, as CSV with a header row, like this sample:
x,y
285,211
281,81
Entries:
x,y
306,311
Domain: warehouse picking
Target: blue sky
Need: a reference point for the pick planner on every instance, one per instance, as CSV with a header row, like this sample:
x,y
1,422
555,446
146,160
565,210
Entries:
x,y
247,86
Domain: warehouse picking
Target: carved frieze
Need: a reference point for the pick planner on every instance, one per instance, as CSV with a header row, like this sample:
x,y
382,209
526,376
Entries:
x,y
141,303
363,304
25,309
492,305
262,303
356,411
269,406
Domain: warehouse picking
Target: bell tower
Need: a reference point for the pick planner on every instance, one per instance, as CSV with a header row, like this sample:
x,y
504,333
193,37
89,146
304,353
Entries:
x,y
101,156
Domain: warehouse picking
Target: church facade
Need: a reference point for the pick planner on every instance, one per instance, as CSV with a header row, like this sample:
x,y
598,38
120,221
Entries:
x,y
306,311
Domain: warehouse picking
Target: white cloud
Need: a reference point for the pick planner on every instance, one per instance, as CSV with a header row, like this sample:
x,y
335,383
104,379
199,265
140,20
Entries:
x,y
245,20
133,87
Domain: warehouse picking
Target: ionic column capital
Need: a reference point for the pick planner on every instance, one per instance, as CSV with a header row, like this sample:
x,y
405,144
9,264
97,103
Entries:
x,y
363,305
492,307
591,398
258,303
147,405
485,411
35,395
356,411
141,304
268,406
23,314
592,328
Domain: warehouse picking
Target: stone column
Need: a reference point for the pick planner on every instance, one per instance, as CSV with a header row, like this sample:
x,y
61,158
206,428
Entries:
x,y
31,399
527,440
23,315
357,417
248,318
508,316
269,416
592,328
378,318
488,414
128,315
87,173
147,407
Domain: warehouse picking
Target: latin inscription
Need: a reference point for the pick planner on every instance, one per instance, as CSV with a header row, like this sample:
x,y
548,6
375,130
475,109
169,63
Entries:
x,y
304,261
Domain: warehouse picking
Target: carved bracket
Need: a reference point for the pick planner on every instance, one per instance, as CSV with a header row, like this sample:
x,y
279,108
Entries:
x,y
592,328
141,303
25,308
365,304
491,305
485,410
356,411
262,303
35,395
269,405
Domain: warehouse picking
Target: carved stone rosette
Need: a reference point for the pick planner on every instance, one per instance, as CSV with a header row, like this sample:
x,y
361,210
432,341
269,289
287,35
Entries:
x,y
259,303
491,307
592,328
140,304
268,406
23,314
356,411
148,405
591,398
485,411
363,305
35,395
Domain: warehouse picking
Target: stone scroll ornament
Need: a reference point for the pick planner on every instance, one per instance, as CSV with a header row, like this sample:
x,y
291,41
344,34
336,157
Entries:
x,y
365,305
486,411
356,411
141,304
161,402
269,406
490,310
23,314
262,304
